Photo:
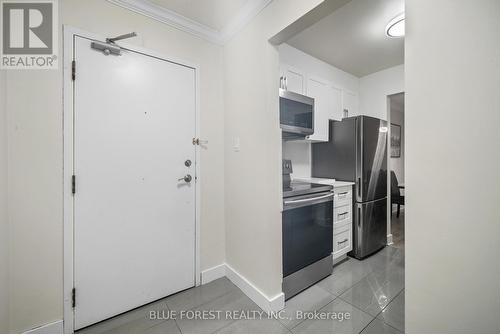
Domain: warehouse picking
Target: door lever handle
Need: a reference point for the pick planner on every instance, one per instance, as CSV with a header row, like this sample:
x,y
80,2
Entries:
x,y
198,141
188,178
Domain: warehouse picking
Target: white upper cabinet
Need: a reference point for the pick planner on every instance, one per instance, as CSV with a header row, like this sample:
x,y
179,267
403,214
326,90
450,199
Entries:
x,y
293,79
350,102
336,109
325,103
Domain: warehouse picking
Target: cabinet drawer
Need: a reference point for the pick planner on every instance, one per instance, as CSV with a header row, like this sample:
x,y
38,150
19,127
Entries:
x,y
343,196
342,215
342,242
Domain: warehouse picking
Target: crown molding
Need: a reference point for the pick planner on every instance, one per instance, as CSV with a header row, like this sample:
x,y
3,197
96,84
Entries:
x,y
173,19
246,14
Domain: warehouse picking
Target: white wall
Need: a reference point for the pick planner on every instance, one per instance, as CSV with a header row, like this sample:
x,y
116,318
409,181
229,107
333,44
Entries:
x,y
4,231
398,164
253,174
34,100
452,166
300,151
374,88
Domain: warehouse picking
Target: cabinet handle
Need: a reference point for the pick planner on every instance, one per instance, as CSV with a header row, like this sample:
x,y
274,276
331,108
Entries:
x,y
281,82
286,83
343,241
359,186
342,214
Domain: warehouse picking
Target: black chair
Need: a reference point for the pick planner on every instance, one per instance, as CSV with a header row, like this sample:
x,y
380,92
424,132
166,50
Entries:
x,y
396,197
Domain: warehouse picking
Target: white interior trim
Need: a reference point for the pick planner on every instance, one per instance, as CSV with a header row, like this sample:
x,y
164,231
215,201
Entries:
x,y
268,304
68,256
164,15
55,327
211,274
246,14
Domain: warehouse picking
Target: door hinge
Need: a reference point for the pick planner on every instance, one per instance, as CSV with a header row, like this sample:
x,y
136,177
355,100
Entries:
x,y
73,70
73,184
73,298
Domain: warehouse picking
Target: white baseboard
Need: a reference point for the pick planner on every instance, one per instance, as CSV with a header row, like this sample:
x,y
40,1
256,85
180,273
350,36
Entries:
x,y
55,327
266,303
389,239
213,273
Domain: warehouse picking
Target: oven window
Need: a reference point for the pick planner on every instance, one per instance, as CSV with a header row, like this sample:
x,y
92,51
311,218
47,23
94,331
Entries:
x,y
307,235
295,113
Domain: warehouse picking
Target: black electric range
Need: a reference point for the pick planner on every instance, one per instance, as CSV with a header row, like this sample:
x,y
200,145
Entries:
x,y
307,232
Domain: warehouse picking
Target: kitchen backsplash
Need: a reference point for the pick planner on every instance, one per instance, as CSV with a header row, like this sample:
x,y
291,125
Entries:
x,y
300,154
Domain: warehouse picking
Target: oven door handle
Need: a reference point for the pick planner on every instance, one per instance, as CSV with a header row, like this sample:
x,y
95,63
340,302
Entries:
x,y
310,201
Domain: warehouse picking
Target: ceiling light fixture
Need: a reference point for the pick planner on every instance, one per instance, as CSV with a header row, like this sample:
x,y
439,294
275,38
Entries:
x,y
396,26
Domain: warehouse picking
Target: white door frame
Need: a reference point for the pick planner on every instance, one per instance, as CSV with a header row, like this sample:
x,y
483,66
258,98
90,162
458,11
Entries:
x,y
68,214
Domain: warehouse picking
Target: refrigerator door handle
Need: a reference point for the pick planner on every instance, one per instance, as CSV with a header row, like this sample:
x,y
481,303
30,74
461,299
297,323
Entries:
x,y
359,217
359,187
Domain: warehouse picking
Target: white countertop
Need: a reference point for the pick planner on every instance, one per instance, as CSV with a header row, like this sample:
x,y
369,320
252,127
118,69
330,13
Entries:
x,y
333,182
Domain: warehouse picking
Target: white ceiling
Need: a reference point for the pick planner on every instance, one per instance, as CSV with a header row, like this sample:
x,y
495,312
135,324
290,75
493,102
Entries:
x,y
215,14
353,38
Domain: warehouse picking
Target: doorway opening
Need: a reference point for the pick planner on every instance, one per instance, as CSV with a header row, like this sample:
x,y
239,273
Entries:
x,y
396,168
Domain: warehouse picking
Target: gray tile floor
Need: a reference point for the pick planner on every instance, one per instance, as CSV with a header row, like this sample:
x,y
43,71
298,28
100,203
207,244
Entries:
x,y
371,291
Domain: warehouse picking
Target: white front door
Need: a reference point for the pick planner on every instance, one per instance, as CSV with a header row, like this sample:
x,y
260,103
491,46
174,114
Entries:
x,y
134,220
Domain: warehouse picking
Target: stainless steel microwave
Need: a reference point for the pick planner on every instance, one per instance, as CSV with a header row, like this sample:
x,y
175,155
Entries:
x,y
296,114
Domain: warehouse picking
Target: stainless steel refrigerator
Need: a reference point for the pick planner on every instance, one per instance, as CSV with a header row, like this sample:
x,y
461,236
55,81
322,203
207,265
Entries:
x,y
357,152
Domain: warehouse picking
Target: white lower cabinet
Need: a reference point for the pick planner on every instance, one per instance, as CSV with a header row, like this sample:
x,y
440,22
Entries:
x,y
342,241
342,215
342,222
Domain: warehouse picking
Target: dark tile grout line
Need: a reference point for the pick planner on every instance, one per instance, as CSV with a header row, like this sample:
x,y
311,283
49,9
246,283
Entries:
x,y
368,324
218,330
387,307
211,300
374,317
334,299
397,330
331,301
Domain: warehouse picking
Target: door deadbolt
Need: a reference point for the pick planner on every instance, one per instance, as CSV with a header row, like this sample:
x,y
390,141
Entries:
x,y
188,178
187,163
